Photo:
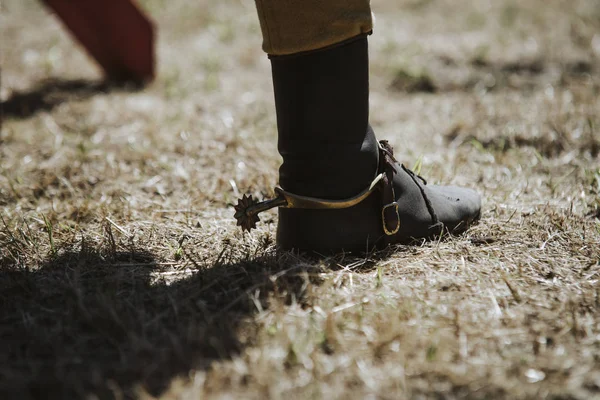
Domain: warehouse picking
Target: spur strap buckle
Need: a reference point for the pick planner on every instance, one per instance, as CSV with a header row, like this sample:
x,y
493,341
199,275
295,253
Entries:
x,y
397,217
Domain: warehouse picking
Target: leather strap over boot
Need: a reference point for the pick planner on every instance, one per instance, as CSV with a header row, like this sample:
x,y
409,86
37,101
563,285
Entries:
x,y
389,212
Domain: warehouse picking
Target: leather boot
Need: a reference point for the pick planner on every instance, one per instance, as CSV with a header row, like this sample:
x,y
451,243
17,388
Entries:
x,y
330,154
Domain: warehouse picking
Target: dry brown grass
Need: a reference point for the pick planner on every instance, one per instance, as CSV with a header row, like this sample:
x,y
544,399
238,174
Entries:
x,y
122,273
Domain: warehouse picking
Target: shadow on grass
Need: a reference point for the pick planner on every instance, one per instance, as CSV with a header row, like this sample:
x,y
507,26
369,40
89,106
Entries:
x,y
105,324
52,92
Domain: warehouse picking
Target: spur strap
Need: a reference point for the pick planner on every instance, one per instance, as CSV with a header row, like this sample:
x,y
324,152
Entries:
x,y
390,214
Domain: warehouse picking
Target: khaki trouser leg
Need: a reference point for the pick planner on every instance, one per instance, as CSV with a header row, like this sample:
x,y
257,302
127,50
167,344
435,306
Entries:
x,y
293,26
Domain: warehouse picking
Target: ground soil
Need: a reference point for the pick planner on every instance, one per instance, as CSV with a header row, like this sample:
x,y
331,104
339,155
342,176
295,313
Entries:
x,y
123,275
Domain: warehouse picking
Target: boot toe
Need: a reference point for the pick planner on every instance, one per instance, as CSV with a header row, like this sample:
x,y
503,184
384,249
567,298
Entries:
x,y
457,208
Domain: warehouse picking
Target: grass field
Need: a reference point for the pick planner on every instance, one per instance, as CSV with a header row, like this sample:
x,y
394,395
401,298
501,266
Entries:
x,y
123,275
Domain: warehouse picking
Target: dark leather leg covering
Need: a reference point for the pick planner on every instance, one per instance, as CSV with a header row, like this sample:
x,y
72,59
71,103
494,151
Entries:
x,y
322,102
328,148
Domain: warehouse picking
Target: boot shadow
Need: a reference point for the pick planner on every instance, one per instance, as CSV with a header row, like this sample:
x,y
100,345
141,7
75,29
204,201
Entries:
x,y
104,324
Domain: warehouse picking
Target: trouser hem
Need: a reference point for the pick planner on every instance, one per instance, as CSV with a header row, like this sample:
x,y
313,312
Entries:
x,y
307,52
